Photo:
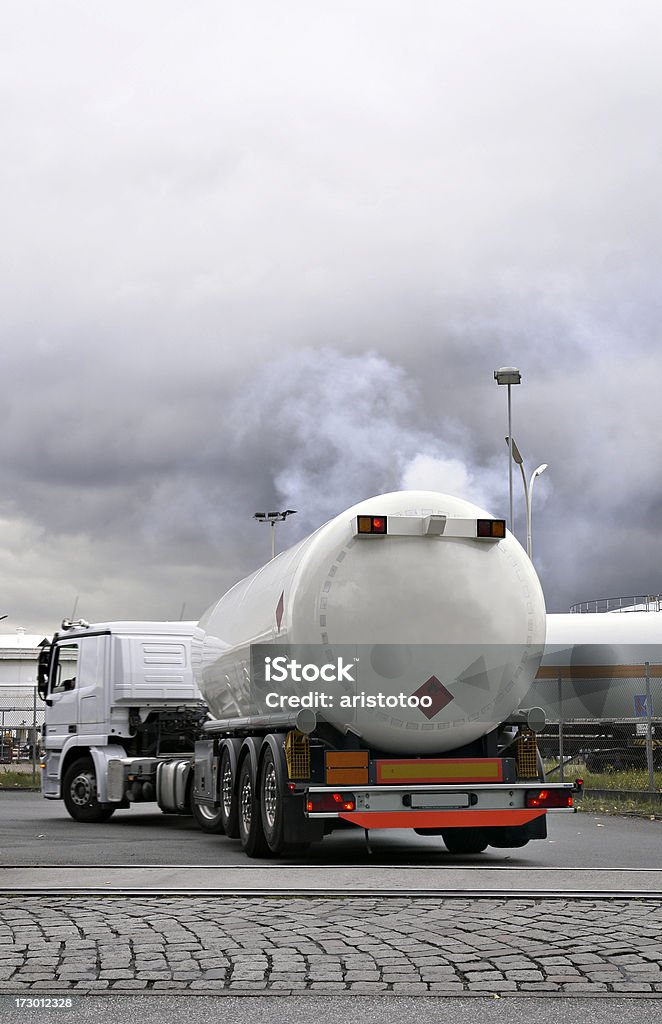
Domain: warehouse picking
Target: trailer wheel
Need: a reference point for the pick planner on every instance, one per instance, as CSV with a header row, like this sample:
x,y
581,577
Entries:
x,y
272,795
79,792
464,840
273,781
228,796
251,835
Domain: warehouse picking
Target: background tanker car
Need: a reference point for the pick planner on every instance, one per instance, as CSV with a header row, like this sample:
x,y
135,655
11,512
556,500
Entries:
x,y
593,678
371,676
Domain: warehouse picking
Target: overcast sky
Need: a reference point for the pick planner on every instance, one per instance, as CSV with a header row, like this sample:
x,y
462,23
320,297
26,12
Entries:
x,y
262,255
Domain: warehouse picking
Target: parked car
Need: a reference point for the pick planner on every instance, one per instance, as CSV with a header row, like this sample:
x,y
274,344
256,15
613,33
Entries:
x,y
616,759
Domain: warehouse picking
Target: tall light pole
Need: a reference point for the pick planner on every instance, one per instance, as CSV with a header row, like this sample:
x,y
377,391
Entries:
x,y
528,489
509,375
273,518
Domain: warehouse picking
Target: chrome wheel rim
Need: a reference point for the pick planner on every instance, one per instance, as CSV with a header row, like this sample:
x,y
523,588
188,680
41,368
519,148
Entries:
x,y
270,792
226,789
246,804
83,789
206,812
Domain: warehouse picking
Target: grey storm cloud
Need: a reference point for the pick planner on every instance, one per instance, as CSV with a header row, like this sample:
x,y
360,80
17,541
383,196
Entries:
x,y
271,255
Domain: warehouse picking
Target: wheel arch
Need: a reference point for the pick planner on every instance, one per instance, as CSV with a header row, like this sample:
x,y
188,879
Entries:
x,y
250,748
100,756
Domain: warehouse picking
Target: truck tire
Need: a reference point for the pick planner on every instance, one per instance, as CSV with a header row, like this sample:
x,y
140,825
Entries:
x,y
251,835
228,796
464,840
283,832
79,792
210,819
271,802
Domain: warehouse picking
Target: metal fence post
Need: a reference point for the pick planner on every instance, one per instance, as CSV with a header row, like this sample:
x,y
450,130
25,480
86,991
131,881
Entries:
x,y
561,750
34,735
649,730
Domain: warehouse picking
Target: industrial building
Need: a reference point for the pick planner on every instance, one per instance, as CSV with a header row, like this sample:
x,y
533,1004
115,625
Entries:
x,y
21,711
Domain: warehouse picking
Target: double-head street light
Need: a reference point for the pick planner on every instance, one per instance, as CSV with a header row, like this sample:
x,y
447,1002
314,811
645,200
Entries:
x,y
509,375
528,488
273,518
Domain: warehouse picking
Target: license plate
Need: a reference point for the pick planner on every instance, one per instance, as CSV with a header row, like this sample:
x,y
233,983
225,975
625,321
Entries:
x,y
423,801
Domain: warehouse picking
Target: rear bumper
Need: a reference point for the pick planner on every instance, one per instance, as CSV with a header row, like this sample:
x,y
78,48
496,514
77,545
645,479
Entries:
x,y
502,805
441,819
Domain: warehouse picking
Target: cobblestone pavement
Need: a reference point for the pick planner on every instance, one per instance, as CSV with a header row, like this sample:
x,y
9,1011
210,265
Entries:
x,y
330,945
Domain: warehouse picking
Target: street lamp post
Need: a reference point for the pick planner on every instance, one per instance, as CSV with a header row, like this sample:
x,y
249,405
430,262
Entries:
x,y
528,488
272,518
509,375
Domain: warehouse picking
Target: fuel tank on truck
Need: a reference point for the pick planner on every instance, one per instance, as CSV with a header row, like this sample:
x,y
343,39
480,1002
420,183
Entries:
x,y
438,600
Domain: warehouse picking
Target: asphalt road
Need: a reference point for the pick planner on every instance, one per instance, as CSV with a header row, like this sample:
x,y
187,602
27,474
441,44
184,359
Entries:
x,y
359,1009
39,833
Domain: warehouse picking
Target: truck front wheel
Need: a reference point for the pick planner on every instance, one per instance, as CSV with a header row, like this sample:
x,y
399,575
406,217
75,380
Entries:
x,y
80,793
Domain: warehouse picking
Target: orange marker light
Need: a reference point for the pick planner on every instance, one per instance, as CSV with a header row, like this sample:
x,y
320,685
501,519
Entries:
x,y
494,529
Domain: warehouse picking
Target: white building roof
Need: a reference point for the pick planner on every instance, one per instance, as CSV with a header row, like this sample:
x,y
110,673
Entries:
x,y
20,642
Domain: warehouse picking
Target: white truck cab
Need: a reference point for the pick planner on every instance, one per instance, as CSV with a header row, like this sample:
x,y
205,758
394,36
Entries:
x,y
122,711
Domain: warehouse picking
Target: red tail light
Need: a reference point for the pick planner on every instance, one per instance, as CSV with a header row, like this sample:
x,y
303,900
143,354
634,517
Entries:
x,y
548,798
366,525
327,803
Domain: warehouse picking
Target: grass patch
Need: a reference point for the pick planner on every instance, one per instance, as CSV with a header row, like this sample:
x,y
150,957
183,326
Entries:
x,y
620,805
632,778
19,780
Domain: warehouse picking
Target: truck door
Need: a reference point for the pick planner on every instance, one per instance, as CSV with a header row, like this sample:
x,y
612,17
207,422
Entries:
x,y
62,697
90,686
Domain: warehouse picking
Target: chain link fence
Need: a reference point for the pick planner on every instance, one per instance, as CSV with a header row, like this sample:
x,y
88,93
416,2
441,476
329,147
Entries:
x,y
21,721
605,730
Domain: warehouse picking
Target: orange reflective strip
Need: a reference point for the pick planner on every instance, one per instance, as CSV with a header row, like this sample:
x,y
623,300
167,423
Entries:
x,y
423,770
440,819
346,758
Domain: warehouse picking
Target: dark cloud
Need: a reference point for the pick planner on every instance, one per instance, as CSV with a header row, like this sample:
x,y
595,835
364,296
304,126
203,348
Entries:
x,y
272,256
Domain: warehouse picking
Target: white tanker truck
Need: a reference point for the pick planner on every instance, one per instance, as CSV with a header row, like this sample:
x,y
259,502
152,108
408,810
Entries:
x,y
371,676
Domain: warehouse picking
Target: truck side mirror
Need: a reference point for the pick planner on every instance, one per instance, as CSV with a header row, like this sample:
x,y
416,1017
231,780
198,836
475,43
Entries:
x,y
43,667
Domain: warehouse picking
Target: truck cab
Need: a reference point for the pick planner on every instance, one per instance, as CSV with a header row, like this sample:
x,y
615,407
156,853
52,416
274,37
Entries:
x,y
121,707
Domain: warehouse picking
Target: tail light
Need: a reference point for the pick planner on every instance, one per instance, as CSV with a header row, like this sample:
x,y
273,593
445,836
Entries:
x,y
371,526
328,803
548,798
491,529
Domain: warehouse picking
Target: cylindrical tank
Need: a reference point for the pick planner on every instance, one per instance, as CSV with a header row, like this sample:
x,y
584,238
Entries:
x,y
421,607
594,665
